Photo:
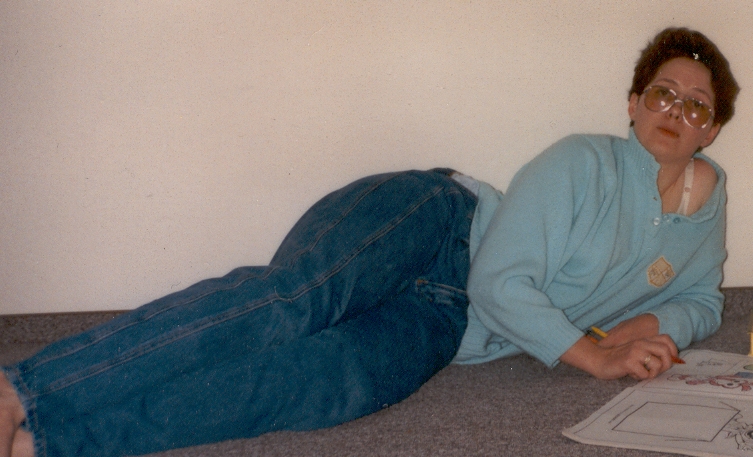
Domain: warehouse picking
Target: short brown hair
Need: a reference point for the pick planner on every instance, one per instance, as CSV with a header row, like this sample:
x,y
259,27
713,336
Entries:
x,y
672,43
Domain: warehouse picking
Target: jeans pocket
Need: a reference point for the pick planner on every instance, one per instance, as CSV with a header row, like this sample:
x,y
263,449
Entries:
x,y
441,294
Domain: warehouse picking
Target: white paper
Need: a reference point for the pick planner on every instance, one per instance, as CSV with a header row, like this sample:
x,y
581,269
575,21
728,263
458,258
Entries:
x,y
704,408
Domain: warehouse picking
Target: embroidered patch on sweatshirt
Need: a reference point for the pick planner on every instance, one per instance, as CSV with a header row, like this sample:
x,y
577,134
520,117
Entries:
x,y
660,272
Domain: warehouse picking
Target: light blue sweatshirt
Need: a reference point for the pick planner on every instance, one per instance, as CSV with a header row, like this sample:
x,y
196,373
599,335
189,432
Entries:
x,y
579,239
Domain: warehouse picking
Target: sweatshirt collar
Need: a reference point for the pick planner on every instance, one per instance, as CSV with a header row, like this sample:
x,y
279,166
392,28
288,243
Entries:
x,y
641,158
648,171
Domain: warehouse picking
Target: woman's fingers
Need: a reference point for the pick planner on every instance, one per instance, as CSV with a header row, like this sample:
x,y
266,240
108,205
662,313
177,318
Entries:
x,y
652,356
640,359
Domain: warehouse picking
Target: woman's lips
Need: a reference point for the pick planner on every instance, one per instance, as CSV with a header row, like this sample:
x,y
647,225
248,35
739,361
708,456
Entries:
x,y
668,132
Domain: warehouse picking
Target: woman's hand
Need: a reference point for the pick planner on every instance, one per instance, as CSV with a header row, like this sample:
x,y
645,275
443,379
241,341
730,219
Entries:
x,y
640,327
643,358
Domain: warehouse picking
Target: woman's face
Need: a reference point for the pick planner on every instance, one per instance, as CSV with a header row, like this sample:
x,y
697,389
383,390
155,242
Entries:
x,y
665,134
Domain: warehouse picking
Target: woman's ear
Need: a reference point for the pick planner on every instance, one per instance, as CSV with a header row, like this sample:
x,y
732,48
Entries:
x,y
633,105
711,135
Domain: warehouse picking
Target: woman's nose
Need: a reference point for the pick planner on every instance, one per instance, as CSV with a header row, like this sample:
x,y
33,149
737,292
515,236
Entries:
x,y
675,110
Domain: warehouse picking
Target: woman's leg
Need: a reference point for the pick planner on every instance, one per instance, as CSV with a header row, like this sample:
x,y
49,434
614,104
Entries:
x,y
355,248
352,369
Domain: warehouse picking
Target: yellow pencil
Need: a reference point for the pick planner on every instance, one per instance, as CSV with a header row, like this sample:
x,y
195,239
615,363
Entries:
x,y
750,330
599,331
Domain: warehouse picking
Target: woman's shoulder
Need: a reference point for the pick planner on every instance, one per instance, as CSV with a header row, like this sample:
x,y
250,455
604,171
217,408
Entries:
x,y
579,153
586,141
587,145
705,180
576,164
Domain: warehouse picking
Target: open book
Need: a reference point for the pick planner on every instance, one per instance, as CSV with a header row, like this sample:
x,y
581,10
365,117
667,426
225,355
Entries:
x,y
704,408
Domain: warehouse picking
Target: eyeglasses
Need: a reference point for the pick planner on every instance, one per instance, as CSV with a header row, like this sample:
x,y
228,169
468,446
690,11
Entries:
x,y
695,113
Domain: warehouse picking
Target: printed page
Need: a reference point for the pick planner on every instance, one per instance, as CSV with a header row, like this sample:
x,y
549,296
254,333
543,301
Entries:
x,y
707,372
702,408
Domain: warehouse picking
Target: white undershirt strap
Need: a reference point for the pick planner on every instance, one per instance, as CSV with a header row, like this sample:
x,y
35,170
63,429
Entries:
x,y
687,187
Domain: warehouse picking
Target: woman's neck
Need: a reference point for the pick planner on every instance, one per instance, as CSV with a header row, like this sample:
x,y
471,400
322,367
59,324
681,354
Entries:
x,y
670,182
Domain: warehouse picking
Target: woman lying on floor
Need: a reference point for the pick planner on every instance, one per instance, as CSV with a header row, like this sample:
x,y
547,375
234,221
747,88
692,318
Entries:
x,y
383,283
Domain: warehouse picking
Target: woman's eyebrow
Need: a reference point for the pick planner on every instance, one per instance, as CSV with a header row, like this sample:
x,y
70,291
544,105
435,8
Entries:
x,y
696,89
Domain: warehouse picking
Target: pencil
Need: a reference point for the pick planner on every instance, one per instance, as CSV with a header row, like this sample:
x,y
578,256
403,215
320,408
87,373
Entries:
x,y
750,330
604,334
599,331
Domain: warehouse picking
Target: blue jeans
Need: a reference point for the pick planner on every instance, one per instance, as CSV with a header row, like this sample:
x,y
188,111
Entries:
x,y
363,302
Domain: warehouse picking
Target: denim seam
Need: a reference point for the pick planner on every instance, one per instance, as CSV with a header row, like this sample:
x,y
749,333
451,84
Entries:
x,y
145,318
424,282
154,344
335,223
131,324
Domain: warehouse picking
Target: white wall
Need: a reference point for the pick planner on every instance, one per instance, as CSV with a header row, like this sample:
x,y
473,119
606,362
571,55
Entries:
x,y
145,145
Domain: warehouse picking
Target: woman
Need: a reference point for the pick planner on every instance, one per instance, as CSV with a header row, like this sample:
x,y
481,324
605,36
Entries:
x,y
366,298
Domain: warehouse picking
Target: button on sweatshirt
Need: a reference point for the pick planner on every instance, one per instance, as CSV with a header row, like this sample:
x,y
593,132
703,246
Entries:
x,y
579,239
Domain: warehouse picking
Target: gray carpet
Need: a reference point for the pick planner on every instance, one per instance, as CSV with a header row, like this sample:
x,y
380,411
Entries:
x,y
511,407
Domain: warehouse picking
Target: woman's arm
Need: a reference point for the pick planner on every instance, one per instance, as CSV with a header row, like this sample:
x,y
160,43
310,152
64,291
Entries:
x,y
637,328
545,212
643,358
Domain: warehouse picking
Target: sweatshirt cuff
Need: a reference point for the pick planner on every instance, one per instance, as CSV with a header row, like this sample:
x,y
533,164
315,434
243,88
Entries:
x,y
551,346
681,336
